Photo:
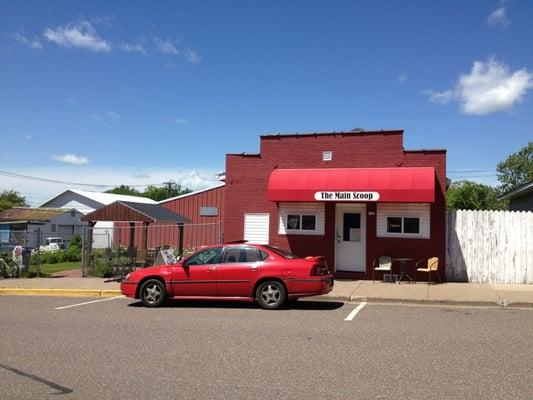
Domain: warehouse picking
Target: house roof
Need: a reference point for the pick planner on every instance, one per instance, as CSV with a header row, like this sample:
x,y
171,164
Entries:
x,y
519,191
193,193
24,214
125,211
103,198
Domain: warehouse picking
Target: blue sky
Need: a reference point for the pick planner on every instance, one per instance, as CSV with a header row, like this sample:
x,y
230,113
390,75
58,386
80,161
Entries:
x,y
143,92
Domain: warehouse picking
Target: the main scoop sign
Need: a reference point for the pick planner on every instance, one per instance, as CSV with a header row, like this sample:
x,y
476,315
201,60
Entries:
x,y
347,196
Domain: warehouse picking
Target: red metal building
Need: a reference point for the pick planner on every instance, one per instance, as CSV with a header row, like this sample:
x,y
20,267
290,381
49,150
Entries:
x,y
350,196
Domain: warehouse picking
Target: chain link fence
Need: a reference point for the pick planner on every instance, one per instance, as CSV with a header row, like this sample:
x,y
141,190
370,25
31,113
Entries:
x,y
25,252
112,252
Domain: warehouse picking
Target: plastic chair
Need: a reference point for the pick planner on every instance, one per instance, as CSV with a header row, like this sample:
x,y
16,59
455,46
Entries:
x,y
385,265
432,266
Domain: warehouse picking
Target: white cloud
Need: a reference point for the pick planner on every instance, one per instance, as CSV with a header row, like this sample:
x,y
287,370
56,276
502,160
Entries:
x,y
133,48
111,115
31,43
498,17
69,158
80,34
181,121
192,56
402,78
38,192
489,87
29,137
165,46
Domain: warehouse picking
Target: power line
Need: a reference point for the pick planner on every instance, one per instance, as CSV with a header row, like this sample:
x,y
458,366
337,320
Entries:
x,y
47,180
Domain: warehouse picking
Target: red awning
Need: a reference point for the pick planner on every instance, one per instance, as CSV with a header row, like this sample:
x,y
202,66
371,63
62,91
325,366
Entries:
x,y
402,184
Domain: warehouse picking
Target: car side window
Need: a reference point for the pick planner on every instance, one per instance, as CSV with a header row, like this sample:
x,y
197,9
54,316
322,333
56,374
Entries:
x,y
262,255
207,256
241,254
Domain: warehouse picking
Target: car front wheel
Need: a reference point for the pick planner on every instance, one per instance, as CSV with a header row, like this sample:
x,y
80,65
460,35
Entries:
x,y
271,295
153,293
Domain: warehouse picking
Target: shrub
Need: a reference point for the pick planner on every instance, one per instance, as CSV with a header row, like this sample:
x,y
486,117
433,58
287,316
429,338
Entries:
x,y
101,268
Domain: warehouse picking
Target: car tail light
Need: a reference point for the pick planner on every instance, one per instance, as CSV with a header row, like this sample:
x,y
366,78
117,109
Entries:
x,y
319,269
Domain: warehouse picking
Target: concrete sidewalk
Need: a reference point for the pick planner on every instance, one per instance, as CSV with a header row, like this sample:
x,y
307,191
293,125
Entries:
x,y
344,290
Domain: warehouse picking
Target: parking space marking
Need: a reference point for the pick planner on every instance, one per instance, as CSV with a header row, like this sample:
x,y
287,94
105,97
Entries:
x,y
355,311
88,302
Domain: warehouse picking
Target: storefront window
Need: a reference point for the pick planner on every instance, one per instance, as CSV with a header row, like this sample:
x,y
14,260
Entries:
x,y
308,222
411,225
403,225
301,222
293,222
394,224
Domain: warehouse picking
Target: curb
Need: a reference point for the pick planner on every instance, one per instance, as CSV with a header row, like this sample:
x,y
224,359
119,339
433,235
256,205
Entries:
x,y
385,300
60,292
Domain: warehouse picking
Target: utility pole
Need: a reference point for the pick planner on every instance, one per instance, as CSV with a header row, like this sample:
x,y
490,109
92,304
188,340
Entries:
x,y
169,186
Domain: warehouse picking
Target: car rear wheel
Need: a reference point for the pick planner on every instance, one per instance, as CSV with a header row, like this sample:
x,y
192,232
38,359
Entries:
x,y
153,293
271,295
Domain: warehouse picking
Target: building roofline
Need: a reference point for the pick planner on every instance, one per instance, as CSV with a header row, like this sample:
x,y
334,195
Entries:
x,y
522,189
424,150
354,132
182,196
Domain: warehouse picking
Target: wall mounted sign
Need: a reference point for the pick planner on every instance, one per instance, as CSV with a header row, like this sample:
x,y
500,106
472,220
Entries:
x,y
347,196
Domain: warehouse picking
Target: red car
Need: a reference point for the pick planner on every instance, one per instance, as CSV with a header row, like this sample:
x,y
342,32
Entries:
x,y
236,271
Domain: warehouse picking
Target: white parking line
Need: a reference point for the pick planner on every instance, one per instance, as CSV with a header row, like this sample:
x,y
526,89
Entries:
x,y
88,302
355,311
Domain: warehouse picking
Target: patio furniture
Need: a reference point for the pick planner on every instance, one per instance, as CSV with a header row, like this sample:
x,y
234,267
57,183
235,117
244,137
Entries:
x,y
403,270
432,266
385,264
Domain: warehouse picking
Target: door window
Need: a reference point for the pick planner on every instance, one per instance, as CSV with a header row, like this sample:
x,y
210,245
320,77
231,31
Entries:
x,y
207,256
241,254
351,227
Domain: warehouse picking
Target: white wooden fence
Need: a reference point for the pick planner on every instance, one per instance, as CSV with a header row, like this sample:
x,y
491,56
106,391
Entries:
x,y
489,246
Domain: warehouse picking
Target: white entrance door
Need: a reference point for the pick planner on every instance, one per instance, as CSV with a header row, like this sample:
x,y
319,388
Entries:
x,y
350,237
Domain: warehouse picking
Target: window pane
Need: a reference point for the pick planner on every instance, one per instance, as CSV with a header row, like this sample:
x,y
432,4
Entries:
x,y
249,255
293,221
394,225
231,255
411,225
208,256
351,221
262,255
308,222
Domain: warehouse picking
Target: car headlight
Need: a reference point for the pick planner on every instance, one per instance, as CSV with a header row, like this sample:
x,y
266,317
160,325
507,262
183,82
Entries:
x,y
127,278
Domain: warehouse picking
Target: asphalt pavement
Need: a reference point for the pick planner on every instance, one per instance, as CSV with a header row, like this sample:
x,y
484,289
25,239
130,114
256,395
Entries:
x,y
82,348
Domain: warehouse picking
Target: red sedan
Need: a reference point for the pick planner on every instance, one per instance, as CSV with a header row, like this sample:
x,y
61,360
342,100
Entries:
x,y
237,271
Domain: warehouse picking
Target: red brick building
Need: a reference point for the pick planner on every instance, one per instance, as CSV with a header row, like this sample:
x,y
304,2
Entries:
x,y
350,196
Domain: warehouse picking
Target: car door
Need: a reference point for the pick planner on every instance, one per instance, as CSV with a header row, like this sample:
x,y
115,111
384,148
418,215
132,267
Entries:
x,y
197,275
238,272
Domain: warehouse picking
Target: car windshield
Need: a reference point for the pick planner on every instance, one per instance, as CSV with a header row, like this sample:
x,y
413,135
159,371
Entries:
x,y
282,252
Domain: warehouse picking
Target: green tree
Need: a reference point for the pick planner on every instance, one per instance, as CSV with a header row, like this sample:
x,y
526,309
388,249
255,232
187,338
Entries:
x,y
159,193
467,195
517,169
11,198
156,193
124,189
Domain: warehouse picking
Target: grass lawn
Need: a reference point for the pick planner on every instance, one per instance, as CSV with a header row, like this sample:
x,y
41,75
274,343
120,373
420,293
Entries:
x,y
49,269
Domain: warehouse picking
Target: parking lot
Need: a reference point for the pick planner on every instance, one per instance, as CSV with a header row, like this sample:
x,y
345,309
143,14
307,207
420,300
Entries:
x,y
114,348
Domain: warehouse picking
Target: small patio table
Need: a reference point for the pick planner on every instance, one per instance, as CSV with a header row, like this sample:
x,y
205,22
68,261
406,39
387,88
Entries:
x,y
403,271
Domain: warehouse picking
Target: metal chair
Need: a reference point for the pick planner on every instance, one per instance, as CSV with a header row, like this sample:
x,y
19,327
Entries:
x,y
432,266
385,265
